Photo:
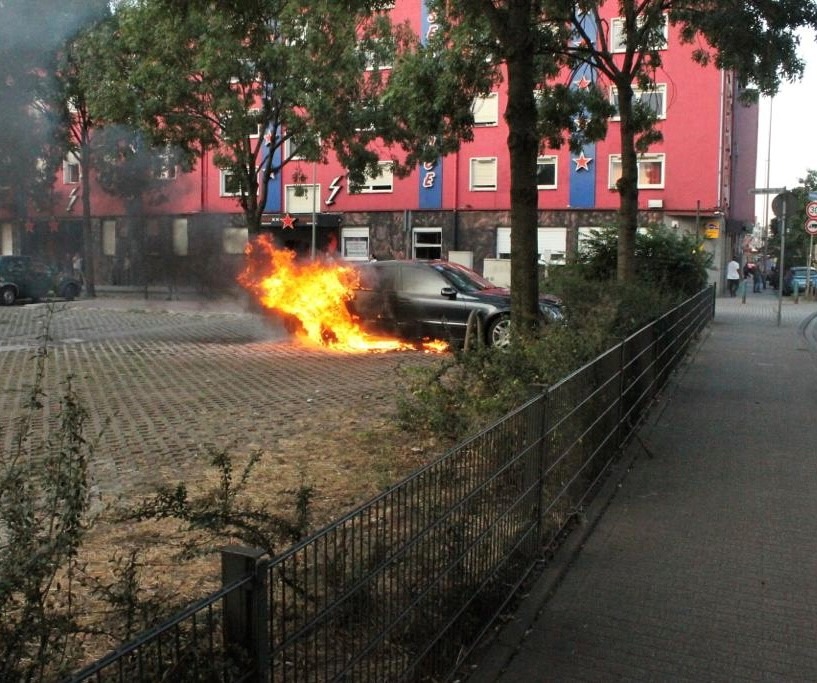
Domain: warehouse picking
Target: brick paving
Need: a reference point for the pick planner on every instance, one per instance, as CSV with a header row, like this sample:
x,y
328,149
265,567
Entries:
x,y
700,563
162,379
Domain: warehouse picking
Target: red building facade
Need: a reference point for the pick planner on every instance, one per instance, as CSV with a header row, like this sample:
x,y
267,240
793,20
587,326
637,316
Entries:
x,y
696,180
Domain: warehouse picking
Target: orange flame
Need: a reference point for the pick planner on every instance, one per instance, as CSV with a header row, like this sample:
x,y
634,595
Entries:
x,y
315,293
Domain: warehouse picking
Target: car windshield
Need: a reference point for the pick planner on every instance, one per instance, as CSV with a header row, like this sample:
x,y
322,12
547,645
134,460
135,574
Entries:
x,y
464,279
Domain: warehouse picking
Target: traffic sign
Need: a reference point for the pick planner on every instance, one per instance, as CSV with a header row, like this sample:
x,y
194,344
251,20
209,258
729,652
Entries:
x,y
811,209
785,203
811,226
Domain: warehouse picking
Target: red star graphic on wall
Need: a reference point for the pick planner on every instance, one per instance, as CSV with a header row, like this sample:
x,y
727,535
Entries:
x,y
288,222
583,83
29,226
53,225
582,162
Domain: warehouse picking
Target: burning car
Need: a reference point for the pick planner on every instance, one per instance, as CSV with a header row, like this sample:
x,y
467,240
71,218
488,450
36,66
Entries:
x,y
421,300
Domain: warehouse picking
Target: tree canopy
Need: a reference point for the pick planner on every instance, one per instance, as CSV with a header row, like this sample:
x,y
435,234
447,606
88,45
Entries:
x,y
258,83
536,40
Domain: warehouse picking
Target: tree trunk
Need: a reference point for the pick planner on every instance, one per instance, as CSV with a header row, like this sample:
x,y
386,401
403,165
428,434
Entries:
x,y
627,187
523,147
88,247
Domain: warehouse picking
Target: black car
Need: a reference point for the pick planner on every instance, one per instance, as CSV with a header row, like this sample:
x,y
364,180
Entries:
x,y
420,300
23,277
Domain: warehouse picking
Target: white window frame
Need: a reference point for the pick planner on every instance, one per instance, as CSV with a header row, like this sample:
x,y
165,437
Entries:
x,y
550,242
303,203
224,176
383,183
614,172
617,43
485,109
550,159
660,88
418,243
165,165
370,62
483,174
71,170
358,236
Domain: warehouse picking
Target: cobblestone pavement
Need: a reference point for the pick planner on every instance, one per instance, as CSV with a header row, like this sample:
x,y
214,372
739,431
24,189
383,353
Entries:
x,y
161,379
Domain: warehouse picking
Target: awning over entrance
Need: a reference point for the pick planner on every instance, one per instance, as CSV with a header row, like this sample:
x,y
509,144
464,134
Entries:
x,y
287,221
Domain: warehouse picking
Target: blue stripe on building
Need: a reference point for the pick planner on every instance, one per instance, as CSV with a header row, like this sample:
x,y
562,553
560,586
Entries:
x,y
430,176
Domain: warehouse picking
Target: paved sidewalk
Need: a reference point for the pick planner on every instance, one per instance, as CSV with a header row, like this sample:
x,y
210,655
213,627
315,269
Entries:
x,y
703,564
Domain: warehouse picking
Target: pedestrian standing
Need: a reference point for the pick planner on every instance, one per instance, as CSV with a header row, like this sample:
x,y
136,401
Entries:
x,y
733,276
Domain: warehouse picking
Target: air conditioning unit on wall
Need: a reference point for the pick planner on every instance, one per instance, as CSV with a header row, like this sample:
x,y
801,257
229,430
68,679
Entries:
x,y
655,203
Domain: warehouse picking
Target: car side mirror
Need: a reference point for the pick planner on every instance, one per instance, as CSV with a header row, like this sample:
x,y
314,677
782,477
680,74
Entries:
x,y
449,292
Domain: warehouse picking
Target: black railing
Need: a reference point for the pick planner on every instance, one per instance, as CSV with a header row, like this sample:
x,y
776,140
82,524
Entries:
x,y
404,587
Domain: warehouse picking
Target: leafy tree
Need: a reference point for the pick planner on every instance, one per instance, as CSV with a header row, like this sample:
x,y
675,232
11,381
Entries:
x,y
756,40
534,39
476,45
257,82
798,240
664,259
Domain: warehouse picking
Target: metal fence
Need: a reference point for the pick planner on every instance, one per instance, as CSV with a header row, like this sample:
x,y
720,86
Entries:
x,y
404,587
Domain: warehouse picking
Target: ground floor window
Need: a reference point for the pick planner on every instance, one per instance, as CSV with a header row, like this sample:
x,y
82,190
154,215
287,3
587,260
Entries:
x,y
551,244
354,244
6,243
180,241
109,238
233,240
427,243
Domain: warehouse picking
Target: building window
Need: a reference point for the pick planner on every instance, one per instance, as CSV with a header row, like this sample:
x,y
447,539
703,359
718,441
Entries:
x,y
618,39
551,244
233,240
486,110
303,198
354,244
70,170
650,170
483,174
427,243
230,184
109,238
654,99
180,242
6,243
166,164
546,173
383,182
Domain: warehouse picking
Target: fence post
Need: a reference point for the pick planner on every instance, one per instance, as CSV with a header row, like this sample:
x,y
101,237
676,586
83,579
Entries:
x,y
246,612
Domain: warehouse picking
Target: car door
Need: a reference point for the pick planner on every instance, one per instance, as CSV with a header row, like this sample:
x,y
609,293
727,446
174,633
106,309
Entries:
x,y
427,305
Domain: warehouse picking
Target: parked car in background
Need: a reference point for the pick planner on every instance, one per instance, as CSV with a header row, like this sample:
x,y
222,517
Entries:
x,y
24,277
799,279
421,300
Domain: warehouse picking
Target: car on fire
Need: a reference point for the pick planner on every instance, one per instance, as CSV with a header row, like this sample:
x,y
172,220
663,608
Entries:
x,y
24,277
421,300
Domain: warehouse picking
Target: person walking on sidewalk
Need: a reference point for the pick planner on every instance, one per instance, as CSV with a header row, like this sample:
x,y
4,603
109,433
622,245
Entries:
x,y
733,276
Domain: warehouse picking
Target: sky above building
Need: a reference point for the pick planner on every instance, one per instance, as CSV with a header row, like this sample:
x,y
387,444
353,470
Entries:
x,y
787,131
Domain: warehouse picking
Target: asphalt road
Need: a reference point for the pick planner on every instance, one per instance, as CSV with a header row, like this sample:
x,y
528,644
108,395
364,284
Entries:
x,y
163,378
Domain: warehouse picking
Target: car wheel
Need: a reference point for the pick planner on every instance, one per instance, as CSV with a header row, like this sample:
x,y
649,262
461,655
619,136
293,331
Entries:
x,y
499,332
8,296
70,292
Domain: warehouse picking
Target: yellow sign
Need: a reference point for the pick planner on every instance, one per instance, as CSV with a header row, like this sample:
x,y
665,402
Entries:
x,y
711,232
